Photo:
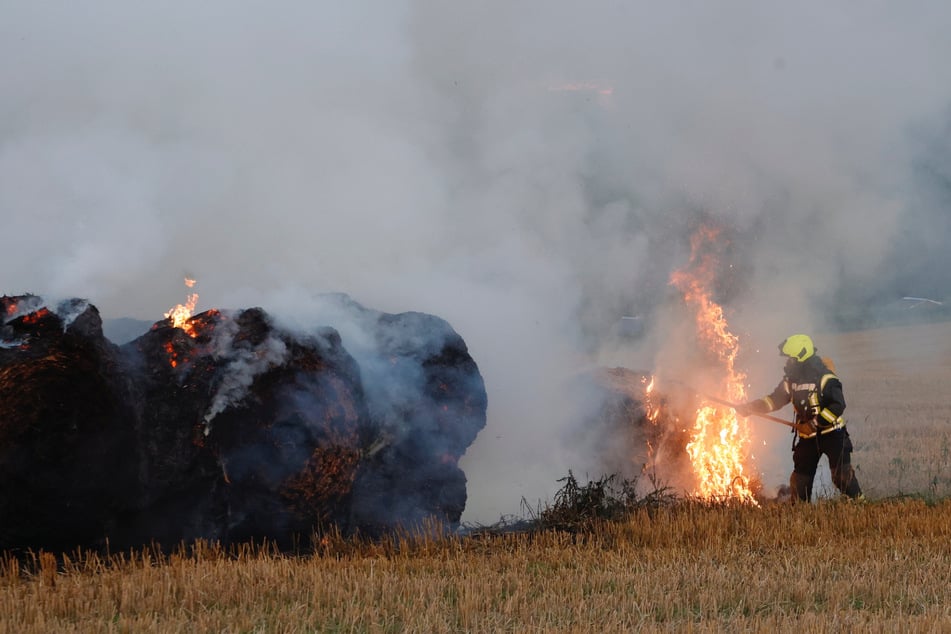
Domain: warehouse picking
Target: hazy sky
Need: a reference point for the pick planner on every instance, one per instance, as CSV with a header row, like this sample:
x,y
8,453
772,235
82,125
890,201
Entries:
x,y
428,156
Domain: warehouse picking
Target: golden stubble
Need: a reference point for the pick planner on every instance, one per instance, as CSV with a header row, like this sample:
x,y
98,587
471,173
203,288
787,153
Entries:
x,y
822,567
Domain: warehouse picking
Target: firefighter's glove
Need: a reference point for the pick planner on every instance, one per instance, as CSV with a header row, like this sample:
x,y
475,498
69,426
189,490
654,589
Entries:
x,y
744,409
807,427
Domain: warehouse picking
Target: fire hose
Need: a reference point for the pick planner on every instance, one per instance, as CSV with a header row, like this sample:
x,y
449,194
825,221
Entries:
x,y
722,401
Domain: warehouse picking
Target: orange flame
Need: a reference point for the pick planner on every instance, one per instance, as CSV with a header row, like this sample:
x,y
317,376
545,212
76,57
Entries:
x,y
172,353
653,411
183,312
719,442
35,316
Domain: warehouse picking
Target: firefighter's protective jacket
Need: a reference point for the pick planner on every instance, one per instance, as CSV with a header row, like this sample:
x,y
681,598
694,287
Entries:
x,y
815,392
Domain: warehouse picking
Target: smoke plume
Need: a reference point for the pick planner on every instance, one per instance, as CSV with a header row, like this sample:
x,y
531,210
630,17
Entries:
x,y
530,171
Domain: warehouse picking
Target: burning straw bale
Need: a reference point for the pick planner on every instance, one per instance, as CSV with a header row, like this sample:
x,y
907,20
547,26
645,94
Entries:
x,y
629,428
227,427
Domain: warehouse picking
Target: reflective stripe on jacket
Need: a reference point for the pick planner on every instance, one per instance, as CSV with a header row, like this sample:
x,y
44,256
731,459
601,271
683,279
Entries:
x,y
814,391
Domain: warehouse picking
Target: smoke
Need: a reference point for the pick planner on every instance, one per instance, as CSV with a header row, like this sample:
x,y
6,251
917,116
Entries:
x,y
434,157
245,361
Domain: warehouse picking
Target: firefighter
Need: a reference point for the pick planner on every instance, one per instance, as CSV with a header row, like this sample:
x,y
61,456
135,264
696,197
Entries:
x,y
810,384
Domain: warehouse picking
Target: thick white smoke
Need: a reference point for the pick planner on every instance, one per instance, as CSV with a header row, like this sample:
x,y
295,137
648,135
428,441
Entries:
x,y
427,156
244,363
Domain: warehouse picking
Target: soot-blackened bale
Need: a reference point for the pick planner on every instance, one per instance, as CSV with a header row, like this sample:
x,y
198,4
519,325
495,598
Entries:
x,y
429,401
291,449
625,427
67,450
228,427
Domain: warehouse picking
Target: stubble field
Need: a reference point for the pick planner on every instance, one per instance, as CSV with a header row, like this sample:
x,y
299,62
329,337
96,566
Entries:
x,y
884,566
898,387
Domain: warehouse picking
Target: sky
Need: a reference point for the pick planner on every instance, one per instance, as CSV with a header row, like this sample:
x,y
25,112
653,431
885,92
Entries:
x,y
529,171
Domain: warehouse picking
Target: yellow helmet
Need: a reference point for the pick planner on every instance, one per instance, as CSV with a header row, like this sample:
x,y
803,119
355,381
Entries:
x,y
798,347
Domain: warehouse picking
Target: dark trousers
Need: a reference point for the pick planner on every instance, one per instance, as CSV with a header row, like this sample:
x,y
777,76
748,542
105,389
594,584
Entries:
x,y
837,447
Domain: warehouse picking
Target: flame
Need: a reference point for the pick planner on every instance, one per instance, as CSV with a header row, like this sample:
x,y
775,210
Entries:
x,y
183,312
719,440
35,316
653,410
172,353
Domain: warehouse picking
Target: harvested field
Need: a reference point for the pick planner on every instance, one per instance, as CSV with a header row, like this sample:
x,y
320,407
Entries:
x,y
899,406
833,566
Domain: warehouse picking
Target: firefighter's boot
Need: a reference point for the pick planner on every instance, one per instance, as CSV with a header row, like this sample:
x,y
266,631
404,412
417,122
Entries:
x,y
845,481
800,487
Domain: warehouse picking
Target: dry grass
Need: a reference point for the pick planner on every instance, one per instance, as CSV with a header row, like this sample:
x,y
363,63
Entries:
x,y
832,566
899,408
